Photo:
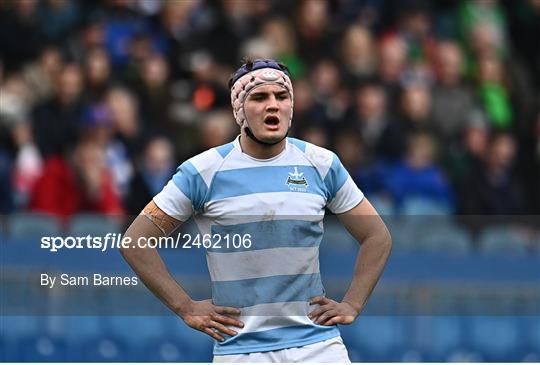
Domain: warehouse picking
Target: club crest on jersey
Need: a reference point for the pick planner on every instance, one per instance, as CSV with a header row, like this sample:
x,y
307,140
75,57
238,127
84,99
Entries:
x,y
296,181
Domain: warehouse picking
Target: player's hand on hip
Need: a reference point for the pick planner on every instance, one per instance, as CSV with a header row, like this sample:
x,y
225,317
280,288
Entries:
x,y
331,312
213,320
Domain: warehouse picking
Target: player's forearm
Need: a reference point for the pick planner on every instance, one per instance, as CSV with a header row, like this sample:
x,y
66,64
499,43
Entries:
x,y
370,263
150,268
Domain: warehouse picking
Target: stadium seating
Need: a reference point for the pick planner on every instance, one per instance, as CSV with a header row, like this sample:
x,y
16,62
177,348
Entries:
x,y
446,237
135,329
375,338
426,232
94,225
102,349
3,350
371,338
197,345
19,326
503,339
42,348
24,225
442,337
422,206
165,350
83,327
503,239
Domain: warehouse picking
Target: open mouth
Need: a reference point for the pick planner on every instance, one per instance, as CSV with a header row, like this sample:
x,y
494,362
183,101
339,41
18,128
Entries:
x,y
271,120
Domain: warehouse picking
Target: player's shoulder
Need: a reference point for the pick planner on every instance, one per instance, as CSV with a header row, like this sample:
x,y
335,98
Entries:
x,y
208,162
320,157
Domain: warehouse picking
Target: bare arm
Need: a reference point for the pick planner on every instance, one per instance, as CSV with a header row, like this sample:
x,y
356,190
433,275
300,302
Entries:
x,y
146,262
366,227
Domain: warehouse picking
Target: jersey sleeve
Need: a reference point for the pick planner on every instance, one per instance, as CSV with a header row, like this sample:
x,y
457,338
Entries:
x,y
181,197
343,194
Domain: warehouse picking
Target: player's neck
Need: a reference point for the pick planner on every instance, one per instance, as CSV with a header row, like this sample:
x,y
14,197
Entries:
x,y
259,151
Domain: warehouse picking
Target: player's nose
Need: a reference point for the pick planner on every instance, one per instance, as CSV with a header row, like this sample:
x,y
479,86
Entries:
x,y
272,103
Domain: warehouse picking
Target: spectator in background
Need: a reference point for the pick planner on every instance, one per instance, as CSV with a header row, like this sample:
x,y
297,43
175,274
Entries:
x,y
303,106
97,72
358,53
493,188
467,156
235,22
258,47
20,37
175,57
493,93
413,26
15,102
181,26
350,149
331,98
40,75
154,94
56,18
418,176
141,48
392,57
279,33
124,113
97,125
154,169
524,21
77,183
505,86
91,35
308,125
312,26
55,121
453,100
414,117
121,26
373,121
6,160
205,93
315,133
216,129
27,164
6,189
482,27
20,161
209,87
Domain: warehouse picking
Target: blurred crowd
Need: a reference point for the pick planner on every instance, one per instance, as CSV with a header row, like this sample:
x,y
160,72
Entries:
x,y
439,100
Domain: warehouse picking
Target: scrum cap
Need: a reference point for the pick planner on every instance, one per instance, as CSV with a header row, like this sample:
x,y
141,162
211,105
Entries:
x,y
252,75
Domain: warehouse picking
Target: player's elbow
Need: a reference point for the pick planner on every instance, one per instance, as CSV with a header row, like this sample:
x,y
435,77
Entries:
x,y
382,239
387,241
126,251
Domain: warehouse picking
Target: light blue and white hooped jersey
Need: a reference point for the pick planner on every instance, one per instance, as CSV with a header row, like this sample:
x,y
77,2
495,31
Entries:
x,y
280,204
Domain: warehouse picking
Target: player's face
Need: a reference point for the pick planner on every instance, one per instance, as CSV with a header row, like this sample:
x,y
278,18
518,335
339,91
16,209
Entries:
x,y
268,111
